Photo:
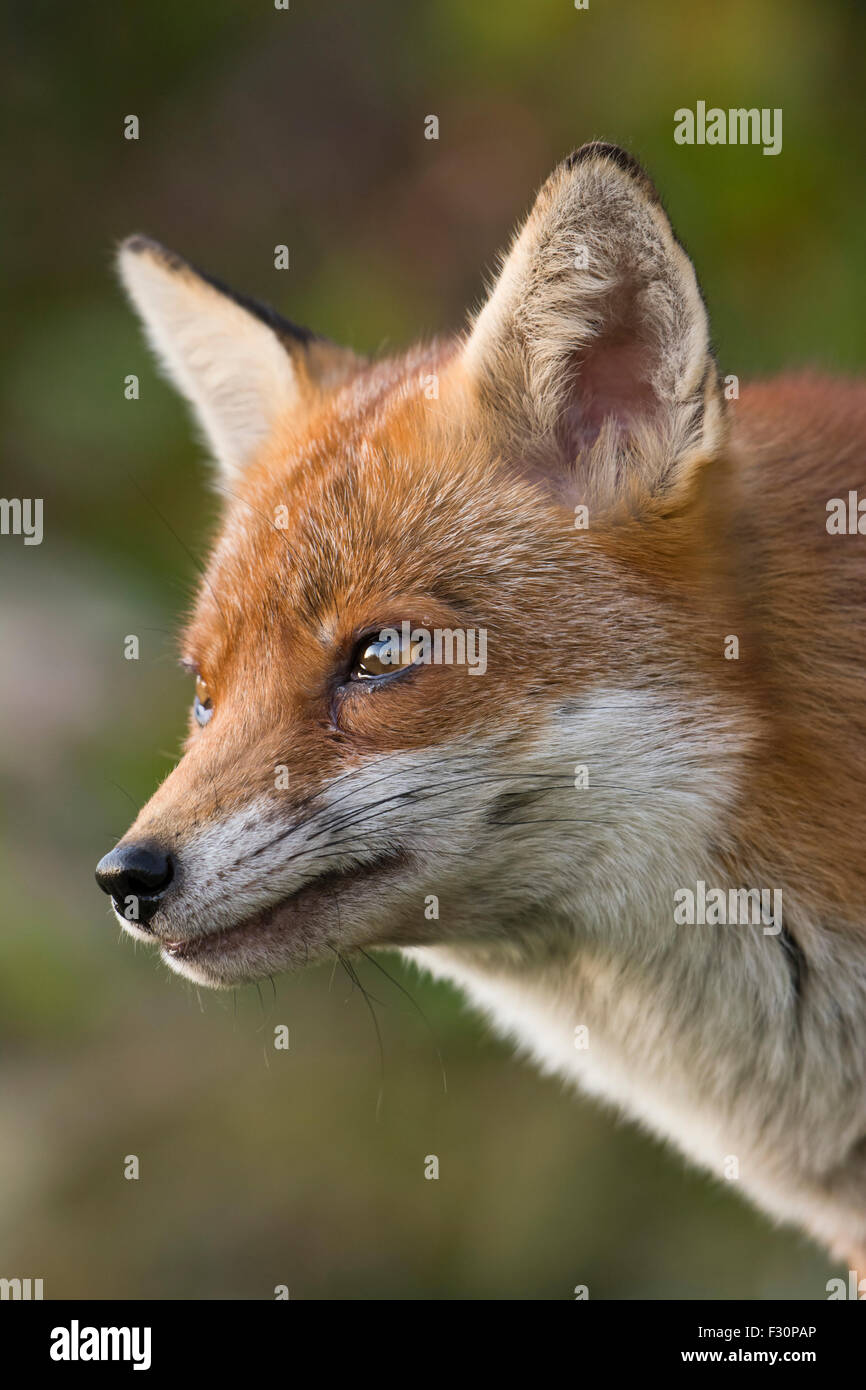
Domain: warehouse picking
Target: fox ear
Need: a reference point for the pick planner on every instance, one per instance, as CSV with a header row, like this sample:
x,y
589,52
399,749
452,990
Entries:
x,y
592,351
238,363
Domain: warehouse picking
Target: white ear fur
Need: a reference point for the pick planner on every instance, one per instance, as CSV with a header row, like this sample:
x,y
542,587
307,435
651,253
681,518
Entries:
x,y
595,337
233,369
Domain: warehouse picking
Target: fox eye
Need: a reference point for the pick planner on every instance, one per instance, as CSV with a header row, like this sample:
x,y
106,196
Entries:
x,y
202,705
383,656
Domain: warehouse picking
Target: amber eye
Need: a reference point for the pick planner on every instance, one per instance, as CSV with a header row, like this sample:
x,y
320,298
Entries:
x,y
202,705
386,655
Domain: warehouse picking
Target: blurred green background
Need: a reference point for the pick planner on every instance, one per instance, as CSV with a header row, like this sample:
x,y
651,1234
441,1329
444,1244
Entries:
x,y
307,127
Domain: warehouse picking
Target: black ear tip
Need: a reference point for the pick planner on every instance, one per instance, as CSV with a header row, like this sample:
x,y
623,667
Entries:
x,y
140,245
137,243
612,154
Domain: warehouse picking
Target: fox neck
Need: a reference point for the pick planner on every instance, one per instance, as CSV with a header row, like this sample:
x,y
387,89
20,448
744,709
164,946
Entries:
x,y
603,950
710,1043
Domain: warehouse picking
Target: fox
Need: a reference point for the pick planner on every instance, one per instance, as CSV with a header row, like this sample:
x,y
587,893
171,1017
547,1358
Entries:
x,y
672,702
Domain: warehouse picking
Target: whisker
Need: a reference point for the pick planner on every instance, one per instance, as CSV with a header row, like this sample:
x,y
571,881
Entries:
x,y
353,976
414,1002
127,794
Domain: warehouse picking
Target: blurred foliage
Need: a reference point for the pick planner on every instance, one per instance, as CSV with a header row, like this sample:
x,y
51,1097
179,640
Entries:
x,y
257,127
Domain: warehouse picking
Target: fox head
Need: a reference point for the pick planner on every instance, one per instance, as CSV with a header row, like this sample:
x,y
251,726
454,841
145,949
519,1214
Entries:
x,y
457,650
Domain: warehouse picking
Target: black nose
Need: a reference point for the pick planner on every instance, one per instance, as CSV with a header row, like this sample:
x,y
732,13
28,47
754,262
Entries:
x,y
140,872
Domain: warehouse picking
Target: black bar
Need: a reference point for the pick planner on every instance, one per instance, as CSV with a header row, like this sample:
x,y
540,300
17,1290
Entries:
x,y
226,1337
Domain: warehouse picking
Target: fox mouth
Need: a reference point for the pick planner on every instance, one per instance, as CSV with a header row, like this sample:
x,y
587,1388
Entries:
x,y
248,941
